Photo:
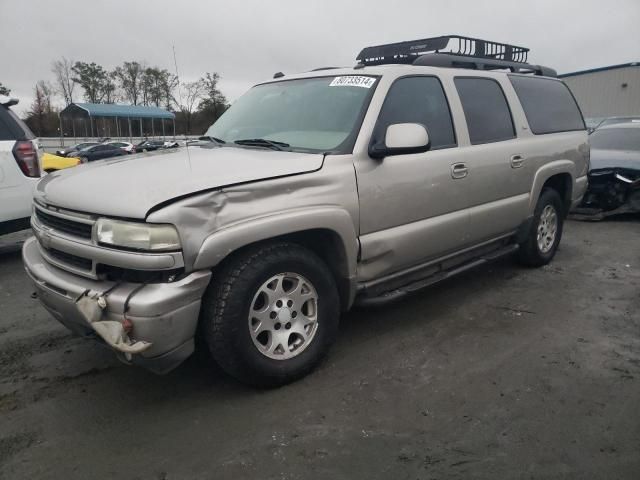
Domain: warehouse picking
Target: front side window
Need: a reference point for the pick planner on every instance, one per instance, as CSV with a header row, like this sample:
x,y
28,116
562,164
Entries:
x,y
312,114
486,110
418,100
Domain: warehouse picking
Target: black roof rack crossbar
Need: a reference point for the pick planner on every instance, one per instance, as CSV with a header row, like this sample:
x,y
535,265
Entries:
x,y
460,61
406,52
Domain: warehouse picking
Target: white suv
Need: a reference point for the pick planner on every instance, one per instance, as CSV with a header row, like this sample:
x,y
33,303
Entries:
x,y
19,169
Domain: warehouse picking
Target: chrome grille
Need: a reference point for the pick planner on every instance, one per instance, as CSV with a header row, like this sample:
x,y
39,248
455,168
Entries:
x,y
64,225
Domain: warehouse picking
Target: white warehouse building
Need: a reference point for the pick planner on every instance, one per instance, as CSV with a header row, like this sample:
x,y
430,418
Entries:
x,y
607,91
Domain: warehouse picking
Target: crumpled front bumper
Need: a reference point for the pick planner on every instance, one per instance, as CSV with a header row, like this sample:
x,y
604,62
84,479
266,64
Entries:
x,y
163,314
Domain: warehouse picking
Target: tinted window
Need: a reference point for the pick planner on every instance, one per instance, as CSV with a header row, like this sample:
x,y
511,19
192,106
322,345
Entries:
x,y
418,100
616,139
486,110
11,127
548,105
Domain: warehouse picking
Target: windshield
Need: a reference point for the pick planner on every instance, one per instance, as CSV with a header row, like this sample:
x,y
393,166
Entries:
x,y
312,114
616,139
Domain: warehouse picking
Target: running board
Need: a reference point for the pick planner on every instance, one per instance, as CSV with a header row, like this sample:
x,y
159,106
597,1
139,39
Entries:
x,y
397,293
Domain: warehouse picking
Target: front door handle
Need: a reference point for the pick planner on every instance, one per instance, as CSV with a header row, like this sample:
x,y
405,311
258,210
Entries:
x,y
517,161
459,170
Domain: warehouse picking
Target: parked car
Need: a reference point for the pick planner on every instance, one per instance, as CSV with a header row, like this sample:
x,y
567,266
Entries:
x,y
614,175
74,149
126,146
20,168
149,145
51,163
617,120
323,190
99,152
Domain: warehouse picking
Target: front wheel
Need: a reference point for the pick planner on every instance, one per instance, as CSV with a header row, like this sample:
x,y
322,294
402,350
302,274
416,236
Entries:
x,y
271,314
546,230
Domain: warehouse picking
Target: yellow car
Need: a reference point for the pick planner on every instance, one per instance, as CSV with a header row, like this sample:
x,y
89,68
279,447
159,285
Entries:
x,y
51,163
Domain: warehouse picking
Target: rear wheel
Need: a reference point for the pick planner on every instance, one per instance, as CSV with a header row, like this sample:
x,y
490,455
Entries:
x,y
546,230
271,314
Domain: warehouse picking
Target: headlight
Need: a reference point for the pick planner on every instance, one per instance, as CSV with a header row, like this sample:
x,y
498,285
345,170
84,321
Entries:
x,y
138,236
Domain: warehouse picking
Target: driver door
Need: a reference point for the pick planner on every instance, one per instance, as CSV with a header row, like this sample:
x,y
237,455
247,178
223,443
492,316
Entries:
x,y
412,207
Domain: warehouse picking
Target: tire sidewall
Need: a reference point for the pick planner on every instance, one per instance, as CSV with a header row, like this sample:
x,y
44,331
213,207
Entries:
x,y
251,359
548,197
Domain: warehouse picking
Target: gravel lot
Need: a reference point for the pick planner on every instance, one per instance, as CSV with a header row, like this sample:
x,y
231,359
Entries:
x,y
503,372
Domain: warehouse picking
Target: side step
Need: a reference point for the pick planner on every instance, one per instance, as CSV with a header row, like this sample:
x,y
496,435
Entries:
x,y
396,294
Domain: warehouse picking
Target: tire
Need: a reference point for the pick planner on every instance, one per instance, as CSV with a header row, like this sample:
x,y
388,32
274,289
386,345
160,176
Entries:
x,y
535,252
246,294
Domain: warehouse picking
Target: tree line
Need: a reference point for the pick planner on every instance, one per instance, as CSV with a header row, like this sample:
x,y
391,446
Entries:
x,y
196,104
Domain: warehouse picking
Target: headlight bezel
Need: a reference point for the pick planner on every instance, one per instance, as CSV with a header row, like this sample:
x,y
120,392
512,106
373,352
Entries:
x,y
130,236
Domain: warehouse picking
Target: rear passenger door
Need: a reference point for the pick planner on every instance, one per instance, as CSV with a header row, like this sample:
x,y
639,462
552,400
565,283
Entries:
x,y
497,172
411,207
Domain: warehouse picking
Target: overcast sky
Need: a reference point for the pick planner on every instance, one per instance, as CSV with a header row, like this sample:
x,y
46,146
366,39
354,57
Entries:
x,y
247,41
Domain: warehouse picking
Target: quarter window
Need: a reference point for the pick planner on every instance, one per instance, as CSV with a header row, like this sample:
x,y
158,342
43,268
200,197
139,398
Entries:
x,y
486,110
418,100
547,104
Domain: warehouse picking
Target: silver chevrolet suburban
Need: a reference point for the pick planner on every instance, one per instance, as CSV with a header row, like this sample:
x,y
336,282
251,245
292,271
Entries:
x,y
316,192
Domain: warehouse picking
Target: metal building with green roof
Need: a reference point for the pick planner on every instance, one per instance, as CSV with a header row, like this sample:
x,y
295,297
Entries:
x,y
97,120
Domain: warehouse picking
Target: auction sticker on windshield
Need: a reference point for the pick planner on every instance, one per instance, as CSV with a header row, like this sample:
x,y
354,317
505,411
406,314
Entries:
x,y
353,81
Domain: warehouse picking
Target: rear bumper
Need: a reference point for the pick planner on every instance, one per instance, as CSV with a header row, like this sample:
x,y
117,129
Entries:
x,y
164,314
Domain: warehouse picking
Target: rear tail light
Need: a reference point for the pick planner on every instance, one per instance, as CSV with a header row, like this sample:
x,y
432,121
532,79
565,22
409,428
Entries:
x,y
26,155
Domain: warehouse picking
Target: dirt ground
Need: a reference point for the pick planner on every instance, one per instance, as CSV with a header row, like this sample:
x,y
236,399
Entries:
x,y
503,372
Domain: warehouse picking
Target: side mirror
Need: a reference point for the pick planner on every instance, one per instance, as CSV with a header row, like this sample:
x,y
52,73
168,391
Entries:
x,y
401,139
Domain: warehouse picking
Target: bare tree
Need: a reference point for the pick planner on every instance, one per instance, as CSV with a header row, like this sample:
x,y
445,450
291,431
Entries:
x,y
4,90
193,95
41,109
62,70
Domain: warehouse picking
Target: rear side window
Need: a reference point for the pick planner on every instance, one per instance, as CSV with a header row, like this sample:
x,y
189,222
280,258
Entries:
x,y
418,100
486,110
9,129
548,105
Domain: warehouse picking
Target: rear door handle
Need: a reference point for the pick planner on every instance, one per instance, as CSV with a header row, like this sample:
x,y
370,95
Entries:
x,y
517,161
459,170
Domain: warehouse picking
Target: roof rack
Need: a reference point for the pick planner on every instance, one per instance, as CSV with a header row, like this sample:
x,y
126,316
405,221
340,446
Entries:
x,y
453,51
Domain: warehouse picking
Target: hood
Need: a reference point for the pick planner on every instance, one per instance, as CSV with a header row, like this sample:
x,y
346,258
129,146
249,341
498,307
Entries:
x,y
626,159
131,186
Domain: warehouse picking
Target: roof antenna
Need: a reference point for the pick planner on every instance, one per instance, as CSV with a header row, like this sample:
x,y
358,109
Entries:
x,y
175,64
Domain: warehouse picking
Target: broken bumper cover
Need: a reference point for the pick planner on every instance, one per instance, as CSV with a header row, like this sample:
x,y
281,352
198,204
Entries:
x,y
162,314
611,191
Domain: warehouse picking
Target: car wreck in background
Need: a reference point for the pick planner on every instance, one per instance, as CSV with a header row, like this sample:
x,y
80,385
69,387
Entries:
x,y
614,177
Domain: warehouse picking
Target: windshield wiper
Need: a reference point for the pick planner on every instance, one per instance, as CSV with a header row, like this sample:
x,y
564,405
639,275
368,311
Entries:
x,y
263,142
213,139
